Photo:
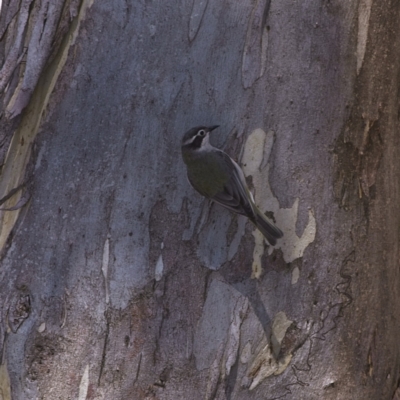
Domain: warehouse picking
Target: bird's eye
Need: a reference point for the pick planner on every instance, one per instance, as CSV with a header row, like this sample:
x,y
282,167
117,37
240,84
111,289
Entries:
x,y
201,132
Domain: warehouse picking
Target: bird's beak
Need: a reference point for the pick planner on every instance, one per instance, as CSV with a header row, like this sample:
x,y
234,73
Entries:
x,y
211,128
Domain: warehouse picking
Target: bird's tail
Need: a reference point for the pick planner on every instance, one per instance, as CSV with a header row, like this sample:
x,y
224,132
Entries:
x,y
267,228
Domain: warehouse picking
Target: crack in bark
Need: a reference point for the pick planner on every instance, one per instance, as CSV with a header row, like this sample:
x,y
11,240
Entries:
x,y
287,387
138,369
12,11
39,49
319,335
346,282
13,55
103,355
19,310
11,193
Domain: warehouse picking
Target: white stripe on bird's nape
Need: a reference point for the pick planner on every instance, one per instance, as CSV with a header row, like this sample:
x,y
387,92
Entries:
x,y
191,140
205,143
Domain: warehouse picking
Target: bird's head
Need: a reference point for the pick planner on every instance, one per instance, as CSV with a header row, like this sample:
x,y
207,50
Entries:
x,y
198,137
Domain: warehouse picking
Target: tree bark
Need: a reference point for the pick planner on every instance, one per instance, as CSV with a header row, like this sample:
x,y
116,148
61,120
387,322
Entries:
x,y
118,281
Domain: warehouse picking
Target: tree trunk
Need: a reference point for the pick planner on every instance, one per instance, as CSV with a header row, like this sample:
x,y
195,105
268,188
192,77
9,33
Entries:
x,y
118,281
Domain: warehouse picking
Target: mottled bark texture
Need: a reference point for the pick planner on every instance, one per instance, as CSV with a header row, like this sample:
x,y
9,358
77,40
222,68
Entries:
x,y
118,281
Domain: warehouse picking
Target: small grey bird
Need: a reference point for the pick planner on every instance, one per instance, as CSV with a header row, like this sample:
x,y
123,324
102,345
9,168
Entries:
x,y
219,178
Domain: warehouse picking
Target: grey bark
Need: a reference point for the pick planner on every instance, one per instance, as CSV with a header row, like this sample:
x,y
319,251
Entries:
x,y
117,281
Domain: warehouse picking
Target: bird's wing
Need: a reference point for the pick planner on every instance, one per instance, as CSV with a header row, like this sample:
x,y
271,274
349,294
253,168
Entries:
x,y
235,195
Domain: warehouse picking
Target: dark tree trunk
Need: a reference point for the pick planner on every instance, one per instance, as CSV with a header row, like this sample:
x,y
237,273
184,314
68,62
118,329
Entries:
x,y
118,281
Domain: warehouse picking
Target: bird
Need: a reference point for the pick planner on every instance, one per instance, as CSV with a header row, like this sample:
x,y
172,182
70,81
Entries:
x,y
216,176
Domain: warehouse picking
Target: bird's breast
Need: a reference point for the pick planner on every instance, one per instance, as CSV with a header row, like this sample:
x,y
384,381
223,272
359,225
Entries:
x,y
206,175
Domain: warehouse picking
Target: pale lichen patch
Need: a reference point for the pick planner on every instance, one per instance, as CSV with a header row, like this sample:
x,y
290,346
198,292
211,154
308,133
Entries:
x,y
5,386
257,150
293,246
265,363
84,384
279,327
295,275
364,12
104,266
158,272
257,254
41,329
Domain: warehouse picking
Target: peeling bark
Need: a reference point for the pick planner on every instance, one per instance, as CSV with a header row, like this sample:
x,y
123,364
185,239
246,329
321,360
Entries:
x,y
118,281
40,28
